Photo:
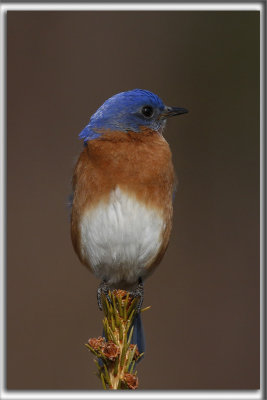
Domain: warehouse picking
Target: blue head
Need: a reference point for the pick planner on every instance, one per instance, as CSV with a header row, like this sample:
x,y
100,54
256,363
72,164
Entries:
x,y
129,111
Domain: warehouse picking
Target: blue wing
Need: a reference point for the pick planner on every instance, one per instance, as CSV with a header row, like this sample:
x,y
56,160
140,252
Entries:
x,y
70,203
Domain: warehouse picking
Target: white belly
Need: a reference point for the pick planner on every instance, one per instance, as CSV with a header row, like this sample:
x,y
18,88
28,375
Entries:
x,y
120,237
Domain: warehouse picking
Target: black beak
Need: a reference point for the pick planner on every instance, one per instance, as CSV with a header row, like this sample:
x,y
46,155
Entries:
x,y
172,111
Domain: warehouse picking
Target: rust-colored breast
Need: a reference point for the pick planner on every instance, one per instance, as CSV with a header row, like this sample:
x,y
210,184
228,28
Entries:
x,y
139,163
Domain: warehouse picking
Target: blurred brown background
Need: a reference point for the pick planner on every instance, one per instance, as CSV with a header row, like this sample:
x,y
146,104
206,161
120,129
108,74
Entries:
x,y
203,329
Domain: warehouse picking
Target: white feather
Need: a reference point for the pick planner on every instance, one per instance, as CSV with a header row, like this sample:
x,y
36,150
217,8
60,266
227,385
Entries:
x,y
120,237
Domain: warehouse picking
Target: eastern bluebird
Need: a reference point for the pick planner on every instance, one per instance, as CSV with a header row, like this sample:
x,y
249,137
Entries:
x,y
123,187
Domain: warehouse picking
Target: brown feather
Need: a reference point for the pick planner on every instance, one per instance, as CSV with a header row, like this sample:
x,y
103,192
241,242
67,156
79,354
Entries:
x,y
139,163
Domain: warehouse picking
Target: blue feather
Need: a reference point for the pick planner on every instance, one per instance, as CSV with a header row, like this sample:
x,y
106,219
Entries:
x,y
70,203
70,200
88,134
123,112
138,334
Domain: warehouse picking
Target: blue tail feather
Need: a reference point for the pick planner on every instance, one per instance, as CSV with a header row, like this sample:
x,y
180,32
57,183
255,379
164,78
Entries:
x,y
138,334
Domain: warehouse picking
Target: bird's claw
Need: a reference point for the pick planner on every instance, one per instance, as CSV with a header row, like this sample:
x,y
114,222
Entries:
x,y
138,293
103,288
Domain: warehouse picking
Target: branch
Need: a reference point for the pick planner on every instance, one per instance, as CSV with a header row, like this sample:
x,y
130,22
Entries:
x,y
116,356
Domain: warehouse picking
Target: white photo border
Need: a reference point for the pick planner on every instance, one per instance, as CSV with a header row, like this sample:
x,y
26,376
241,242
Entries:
x,y
184,394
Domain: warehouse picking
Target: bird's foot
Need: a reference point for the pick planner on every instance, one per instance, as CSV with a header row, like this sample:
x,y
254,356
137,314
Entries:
x,y
138,292
103,289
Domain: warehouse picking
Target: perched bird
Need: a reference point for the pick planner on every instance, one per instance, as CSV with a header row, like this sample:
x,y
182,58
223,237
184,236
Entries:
x,y
123,186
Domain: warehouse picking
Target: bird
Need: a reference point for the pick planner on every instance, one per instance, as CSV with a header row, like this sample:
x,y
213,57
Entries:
x,y
122,194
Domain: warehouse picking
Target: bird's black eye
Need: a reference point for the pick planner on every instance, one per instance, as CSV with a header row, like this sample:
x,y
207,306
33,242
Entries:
x,y
147,111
